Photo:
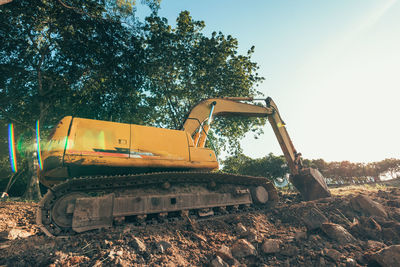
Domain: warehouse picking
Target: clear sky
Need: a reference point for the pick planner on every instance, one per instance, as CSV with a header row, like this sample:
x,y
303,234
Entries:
x,y
332,67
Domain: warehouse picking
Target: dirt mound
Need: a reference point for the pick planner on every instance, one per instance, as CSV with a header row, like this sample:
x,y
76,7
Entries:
x,y
356,227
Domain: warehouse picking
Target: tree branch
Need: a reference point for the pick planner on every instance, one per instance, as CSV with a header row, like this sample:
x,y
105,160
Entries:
x,y
15,120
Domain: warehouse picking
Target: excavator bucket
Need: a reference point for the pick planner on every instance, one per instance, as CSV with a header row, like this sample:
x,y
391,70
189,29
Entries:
x,y
311,184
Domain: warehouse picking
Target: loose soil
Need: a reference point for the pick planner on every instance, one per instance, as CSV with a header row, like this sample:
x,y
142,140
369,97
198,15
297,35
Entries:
x,y
197,243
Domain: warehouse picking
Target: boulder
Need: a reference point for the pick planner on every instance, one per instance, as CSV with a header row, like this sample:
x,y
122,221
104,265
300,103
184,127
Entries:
x,y
218,262
338,233
332,254
271,246
243,248
226,254
372,244
289,250
390,234
367,206
388,257
314,218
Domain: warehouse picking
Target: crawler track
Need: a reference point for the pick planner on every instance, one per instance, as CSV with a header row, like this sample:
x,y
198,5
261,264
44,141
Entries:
x,y
101,185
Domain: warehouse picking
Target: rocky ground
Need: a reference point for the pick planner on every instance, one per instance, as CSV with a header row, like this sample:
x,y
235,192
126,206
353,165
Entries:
x,y
358,226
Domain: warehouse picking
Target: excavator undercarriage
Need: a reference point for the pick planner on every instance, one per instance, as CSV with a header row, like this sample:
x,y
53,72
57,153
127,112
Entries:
x,y
89,203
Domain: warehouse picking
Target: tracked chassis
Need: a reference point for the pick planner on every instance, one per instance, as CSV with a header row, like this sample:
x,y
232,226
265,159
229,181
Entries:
x,y
88,203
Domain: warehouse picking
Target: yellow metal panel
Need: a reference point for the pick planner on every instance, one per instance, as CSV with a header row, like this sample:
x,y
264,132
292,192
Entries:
x,y
57,138
99,138
190,139
202,155
141,162
156,143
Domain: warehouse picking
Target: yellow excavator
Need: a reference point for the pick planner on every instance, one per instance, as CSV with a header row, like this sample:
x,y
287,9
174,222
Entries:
x,y
100,173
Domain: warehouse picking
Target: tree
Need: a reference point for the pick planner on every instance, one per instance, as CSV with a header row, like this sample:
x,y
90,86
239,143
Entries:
x,y
270,166
96,61
55,58
184,66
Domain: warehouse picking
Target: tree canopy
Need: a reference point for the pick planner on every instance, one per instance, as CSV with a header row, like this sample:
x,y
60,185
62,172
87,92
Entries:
x,y
97,60
270,166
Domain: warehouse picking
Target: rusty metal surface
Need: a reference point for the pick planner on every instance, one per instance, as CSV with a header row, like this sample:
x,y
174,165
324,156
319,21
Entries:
x,y
106,185
93,213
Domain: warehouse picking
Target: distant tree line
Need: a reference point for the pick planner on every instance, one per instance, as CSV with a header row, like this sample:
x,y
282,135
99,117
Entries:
x,y
274,167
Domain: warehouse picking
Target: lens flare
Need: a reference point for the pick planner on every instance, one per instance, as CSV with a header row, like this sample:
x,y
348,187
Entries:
x,y
11,147
39,154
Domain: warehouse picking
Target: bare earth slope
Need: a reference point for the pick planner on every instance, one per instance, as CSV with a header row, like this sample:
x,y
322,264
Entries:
x,y
358,226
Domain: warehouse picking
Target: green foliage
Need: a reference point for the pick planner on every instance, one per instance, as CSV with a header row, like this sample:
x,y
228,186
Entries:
x,y
344,171
95,60
184,66
270,166
347,171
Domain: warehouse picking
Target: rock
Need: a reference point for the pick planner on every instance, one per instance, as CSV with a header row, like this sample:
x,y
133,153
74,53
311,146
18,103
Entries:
x,y
200,237
314,218
360,258
388,257
289,250
332,253
18,233
372,244
300,235
350,262
242,248
162,246
390,234
122,263
337,233
218,262
315,239
226,254
111,254
138,244
271,246
120,253
251,235
240,228
367,227
367,206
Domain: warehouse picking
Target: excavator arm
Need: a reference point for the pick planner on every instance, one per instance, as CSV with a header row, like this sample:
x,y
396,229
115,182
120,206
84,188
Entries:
x,y
308,181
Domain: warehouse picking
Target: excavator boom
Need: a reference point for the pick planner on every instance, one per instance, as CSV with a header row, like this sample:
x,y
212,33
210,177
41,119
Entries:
x,y
308,181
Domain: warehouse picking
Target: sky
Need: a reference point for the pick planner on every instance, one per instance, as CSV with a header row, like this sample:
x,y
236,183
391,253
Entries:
x,y
332,67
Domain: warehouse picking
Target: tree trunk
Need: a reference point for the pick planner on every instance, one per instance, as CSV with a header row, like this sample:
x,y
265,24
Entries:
x,y
32,188
32,191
